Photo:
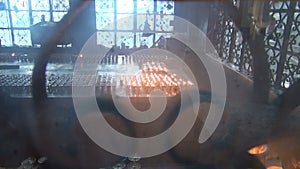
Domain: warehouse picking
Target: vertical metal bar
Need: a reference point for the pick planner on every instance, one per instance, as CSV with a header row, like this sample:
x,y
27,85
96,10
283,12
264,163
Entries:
x,y
30,16
134,22
51,10
283,52
11,23
154,20
243,11
242,55
30,12
115,22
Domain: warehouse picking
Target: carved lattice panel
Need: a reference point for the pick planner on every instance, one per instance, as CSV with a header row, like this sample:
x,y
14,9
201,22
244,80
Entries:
x,y
215,34
4,20
247,64
164,23
19,5
144,19
237,48
227,39
145,6
106,39
274,56
165,7
20,19
105,21
5,36
60,5
229,43
292,64
279,5
283,44
22,37
16,17
104,6
40,5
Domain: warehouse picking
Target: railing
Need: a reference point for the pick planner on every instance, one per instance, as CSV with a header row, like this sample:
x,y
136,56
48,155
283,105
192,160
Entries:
x,y
229,43
282,44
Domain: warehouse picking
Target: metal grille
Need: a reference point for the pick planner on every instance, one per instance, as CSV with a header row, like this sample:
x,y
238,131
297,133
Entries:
x,y
229,43
17,16
133,23
283,43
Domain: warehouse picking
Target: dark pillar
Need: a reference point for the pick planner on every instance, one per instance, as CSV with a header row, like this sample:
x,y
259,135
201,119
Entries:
x,y
196,12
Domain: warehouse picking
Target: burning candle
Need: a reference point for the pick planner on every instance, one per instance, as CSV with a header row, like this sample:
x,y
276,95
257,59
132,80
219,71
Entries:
x,y
258,149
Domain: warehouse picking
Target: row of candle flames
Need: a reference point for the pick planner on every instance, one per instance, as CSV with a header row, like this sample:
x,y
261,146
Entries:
x,y
154,76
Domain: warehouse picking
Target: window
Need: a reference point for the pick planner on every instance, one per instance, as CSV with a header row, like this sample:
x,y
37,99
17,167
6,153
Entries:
x,y
16,17
133,23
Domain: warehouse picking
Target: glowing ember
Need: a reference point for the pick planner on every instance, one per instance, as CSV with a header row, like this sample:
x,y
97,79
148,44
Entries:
x,y
274,167
258,149
156,77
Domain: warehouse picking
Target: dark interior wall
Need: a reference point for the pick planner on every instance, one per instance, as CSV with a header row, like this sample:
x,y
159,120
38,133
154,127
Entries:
x,y
196,12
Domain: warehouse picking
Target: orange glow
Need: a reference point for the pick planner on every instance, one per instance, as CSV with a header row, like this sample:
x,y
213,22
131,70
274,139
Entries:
x,y
258,149
156,77
274,167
